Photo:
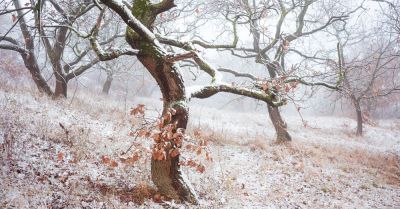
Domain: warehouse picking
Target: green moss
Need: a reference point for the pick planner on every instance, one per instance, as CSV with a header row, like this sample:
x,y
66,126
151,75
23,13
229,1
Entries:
x,y
143,11
140,8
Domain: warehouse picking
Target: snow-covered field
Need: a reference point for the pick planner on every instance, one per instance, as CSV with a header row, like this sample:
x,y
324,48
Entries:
x,y
325,166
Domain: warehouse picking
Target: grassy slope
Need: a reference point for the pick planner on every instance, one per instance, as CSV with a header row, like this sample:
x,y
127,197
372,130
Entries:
x,y
325,166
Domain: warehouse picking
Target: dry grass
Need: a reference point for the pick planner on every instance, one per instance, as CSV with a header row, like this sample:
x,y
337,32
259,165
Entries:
x,y
301,162
137,194
385,165
382,165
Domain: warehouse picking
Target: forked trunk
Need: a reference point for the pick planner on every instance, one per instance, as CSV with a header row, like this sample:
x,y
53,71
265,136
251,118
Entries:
x,y
107,84
61,88
282,135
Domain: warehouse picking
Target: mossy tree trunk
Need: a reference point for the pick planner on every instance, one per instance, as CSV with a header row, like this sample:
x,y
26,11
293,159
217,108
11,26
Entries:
x,y
166,174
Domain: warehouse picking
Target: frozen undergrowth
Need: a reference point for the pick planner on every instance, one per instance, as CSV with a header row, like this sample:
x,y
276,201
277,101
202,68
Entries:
x,y
325,167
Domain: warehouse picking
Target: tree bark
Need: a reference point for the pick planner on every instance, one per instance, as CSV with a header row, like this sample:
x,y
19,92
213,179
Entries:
x,y
61,88
166,174
34,70
29,57
107,84
282,135
357,106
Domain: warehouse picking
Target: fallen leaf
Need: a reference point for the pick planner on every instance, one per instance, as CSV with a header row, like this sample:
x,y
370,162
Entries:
x,y
114,164
105,159
60,156
200,168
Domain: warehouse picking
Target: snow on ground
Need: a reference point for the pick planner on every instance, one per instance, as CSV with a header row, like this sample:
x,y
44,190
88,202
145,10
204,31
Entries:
x,y
325,166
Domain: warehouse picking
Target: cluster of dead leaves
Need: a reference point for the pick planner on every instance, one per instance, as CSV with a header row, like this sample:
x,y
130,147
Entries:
x,y
61,157
112,163
168,138
279,85
191,163
138,110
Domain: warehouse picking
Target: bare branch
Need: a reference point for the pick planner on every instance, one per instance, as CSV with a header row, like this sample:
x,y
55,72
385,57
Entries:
x,y
103,55
238,74
178,57
15,10
164,6
78,71
208,91
13,48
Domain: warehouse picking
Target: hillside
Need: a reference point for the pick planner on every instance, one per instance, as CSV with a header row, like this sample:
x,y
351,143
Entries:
x,y
326,166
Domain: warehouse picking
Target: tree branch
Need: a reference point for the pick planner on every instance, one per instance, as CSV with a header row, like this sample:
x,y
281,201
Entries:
x,y
13,48
202,92
237,74
78,71
164,6
103,55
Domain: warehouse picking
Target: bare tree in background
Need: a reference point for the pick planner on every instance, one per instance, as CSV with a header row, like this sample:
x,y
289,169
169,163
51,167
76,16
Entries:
x,y
370,70
115,69
52,24
27,50
390,9
270,46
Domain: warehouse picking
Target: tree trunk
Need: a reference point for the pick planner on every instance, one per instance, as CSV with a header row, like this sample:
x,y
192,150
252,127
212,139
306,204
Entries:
x,y
166,174
32,66
107,84
359,116
29,57
61,88
282,135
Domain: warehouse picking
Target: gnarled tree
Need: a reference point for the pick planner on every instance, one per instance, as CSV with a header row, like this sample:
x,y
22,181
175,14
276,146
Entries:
x,y
270,47
163,67
54,22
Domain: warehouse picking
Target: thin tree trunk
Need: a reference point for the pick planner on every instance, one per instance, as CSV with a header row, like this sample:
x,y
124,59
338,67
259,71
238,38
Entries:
x,y
29,58
359,116
282,135
32,66
61,88
107,84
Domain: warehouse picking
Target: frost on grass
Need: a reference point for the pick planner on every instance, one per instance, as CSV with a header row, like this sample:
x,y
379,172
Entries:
x,y
62,155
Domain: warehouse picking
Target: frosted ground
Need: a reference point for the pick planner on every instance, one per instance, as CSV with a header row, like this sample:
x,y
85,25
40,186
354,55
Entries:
x,y
326,166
